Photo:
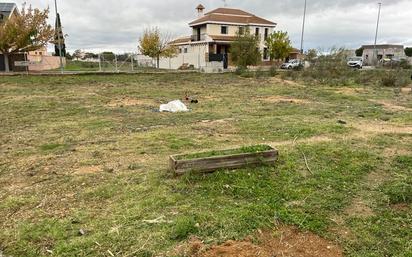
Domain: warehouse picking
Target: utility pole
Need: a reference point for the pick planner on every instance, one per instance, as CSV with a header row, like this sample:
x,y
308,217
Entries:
x,y
100,63
132,57
375,51
303,27
58,39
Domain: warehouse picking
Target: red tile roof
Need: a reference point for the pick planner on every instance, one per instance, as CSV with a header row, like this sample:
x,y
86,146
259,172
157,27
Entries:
x,y
181,40
228,15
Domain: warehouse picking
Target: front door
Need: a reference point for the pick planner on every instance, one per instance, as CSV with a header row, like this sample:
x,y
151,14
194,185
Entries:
x,y
2,66
225,61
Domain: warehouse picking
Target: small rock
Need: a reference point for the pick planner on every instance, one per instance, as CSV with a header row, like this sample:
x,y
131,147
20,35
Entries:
x,y
342,122
82,232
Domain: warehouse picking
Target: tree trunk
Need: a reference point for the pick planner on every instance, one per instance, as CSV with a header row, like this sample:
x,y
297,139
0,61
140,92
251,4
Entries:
x,y
6,62
158,61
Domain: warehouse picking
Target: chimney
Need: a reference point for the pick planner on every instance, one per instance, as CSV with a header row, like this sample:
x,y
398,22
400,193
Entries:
x,y
200,8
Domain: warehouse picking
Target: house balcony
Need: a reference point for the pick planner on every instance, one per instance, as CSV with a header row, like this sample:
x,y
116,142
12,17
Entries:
x,y
198,37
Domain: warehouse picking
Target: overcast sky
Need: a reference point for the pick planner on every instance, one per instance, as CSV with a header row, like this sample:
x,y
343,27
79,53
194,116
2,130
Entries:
x,y
116,25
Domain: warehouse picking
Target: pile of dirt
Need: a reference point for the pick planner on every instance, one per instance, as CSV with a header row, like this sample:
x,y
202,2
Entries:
x,y
285,241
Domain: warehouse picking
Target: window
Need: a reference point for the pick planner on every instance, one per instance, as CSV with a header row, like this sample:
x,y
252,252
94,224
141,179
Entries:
x,y
185,50
266,33
180,50
224,30
257,32
265,53
241,30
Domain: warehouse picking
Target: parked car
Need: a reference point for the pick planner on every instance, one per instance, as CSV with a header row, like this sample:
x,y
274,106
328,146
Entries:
x,y
291,64
356,62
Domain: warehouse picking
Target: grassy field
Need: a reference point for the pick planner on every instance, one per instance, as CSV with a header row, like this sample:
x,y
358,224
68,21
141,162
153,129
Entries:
x,y
83,164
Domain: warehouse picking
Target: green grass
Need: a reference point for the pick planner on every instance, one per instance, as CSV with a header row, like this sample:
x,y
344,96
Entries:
x,y
244,149
72,160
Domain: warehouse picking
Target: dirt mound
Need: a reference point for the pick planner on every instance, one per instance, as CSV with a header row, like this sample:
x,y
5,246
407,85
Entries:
x,y
286,241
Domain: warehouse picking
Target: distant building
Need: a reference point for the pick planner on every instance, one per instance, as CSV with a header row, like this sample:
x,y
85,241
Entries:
x,y
7,10
38,60
386,51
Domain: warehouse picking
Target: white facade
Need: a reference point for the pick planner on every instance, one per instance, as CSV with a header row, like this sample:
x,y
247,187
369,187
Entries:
x,y
191,54
371,54
212,35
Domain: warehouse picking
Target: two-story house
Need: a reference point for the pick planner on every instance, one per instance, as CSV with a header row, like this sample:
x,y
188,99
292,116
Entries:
x,y
7,10
212,34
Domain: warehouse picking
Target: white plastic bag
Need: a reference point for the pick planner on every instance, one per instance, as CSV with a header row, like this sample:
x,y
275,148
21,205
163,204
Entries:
x,y
174,106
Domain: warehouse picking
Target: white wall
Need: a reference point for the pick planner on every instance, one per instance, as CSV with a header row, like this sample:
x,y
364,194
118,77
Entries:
x,y
196,56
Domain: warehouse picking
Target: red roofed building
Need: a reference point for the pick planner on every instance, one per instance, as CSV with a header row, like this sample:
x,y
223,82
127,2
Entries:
x,y
212,34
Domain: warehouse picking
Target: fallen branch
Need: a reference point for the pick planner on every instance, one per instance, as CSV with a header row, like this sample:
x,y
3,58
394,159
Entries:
x,y
306,162
304,156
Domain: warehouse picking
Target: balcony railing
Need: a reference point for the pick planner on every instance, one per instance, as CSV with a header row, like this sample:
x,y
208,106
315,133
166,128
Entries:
x,y
201,37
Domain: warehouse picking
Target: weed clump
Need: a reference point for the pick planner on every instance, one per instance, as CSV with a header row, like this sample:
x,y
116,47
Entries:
x,y
184,227
394,79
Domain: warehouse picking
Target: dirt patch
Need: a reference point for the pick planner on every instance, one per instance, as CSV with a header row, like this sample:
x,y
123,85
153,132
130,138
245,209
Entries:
x,y
402,207
396,151
283,99
310,140
350,91
126,102
359,208
88,170
361,204
214,122
406,90
285,82
382,128
286,241
391,106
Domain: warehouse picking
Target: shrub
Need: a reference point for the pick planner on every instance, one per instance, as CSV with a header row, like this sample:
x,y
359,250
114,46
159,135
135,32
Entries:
x,y
259,73
394,79
399,191
273,71
404,64
240,70
184,227
330,69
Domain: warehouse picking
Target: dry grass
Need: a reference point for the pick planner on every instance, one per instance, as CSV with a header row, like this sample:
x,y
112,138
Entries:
x,y
90,153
